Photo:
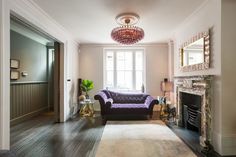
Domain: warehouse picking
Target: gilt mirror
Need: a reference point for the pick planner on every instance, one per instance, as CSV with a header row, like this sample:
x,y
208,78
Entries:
x,y
195,53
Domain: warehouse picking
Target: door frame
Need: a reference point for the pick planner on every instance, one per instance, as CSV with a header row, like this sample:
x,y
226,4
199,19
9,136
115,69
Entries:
x,y
33,15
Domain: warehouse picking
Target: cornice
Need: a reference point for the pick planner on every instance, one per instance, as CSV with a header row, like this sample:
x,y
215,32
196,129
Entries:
x,y
34,6
194,13
37,15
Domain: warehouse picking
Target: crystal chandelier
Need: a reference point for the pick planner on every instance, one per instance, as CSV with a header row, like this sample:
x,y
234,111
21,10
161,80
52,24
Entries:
x,y
127,33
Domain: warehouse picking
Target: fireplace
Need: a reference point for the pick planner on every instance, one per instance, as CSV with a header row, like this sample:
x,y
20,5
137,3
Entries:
x,y
191,111
193,105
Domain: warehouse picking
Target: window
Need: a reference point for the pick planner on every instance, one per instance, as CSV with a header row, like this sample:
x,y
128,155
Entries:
x,y
124,69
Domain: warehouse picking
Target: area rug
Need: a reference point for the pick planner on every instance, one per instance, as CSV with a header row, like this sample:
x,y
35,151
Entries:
x,y
140,139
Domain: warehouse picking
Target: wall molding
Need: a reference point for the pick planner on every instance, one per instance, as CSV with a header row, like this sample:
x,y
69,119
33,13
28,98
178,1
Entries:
x,y
29,10
225,144
27,98
4,75
29,82
217,143
228,144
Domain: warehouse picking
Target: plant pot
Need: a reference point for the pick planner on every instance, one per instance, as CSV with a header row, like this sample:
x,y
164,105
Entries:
x,y
87,96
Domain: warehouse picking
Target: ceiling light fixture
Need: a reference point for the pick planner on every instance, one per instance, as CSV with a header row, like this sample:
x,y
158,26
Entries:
x,y
127,33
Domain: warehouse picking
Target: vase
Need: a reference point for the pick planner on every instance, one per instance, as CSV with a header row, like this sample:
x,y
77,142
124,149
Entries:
x,y
87,96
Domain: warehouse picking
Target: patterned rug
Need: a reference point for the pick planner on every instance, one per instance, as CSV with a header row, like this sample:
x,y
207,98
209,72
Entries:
x,y
141,139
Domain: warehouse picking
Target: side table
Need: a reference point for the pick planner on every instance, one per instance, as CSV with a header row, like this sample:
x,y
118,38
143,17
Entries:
x,y
171,110
168,111
87,109
163,111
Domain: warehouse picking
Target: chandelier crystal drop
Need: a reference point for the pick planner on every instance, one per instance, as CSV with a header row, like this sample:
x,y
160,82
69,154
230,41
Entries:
x,y
127,33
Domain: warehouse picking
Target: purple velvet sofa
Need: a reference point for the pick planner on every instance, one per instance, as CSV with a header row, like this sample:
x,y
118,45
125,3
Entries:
x,y
114,103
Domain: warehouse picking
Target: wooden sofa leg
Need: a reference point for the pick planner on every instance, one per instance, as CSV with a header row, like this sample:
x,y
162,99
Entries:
x,y
150,116
104,120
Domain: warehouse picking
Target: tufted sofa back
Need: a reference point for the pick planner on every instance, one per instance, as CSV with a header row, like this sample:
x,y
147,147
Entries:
x,y
124,98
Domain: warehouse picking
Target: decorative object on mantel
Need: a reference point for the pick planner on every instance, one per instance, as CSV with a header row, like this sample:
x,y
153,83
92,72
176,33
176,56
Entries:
x,y
200,86
127,33
195,53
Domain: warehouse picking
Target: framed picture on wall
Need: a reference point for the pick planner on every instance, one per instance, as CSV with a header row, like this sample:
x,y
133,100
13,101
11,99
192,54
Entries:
x,y
14,75
14,63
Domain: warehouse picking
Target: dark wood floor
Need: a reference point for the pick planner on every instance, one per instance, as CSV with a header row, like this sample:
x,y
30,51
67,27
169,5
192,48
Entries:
x,y
41,137
78,137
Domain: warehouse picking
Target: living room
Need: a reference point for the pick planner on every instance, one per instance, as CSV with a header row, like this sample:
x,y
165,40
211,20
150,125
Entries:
x,y
83,30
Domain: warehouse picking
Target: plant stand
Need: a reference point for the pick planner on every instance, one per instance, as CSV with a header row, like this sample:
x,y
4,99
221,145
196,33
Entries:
x,y
87,109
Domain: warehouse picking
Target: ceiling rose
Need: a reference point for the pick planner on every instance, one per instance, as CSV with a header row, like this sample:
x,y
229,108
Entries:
x,y
127,33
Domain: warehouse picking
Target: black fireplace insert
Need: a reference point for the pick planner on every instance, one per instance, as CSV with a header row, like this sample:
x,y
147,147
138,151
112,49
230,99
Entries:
x,y
191,111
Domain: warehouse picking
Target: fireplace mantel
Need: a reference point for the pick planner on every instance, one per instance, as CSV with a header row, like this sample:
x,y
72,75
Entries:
x,y
196,85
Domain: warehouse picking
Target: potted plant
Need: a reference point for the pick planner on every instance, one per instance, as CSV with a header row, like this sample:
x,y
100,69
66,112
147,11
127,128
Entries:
x,y
86,86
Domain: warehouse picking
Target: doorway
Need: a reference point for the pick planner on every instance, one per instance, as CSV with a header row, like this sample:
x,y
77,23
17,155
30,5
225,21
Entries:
x,y
35,73
35,18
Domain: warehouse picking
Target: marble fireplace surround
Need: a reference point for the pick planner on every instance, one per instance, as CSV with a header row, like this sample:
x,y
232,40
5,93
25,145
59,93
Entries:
x,y
196,85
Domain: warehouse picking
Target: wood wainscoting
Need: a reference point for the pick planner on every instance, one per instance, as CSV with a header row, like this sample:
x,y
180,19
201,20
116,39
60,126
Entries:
x,y
27,99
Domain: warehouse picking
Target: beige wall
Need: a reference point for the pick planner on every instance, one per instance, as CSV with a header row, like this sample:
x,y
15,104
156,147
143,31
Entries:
x,y
91,66
208,17
228,49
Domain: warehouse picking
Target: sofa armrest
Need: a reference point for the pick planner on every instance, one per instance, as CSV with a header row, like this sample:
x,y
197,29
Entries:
x,y
150,102
105,103
109,101
103,99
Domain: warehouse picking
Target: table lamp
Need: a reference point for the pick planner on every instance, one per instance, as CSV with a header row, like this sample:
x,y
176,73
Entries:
x,y
166,86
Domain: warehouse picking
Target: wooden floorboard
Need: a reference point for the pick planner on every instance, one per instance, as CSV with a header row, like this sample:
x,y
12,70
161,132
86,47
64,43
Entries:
x,y
41,137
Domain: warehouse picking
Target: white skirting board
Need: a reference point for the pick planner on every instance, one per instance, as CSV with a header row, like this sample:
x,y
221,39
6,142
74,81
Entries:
x,y
225,145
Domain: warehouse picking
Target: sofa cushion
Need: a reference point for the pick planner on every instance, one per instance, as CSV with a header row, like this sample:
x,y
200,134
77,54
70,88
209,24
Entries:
x,y
123,98
116,105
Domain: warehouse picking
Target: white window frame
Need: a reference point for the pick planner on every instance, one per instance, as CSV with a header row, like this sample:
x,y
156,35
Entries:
x,y
133,49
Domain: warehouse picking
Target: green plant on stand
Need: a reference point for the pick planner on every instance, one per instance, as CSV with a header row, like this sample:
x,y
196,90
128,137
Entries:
x,y
86,86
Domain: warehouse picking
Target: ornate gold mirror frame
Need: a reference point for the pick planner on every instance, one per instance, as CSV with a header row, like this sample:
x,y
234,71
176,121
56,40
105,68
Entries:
x,y
206,51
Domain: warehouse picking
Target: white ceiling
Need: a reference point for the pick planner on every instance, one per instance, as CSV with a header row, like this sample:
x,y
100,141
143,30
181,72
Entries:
x,y
91,21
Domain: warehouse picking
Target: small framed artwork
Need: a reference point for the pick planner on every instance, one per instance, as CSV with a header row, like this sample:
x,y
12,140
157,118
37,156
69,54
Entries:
x,y
15,75
14,63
